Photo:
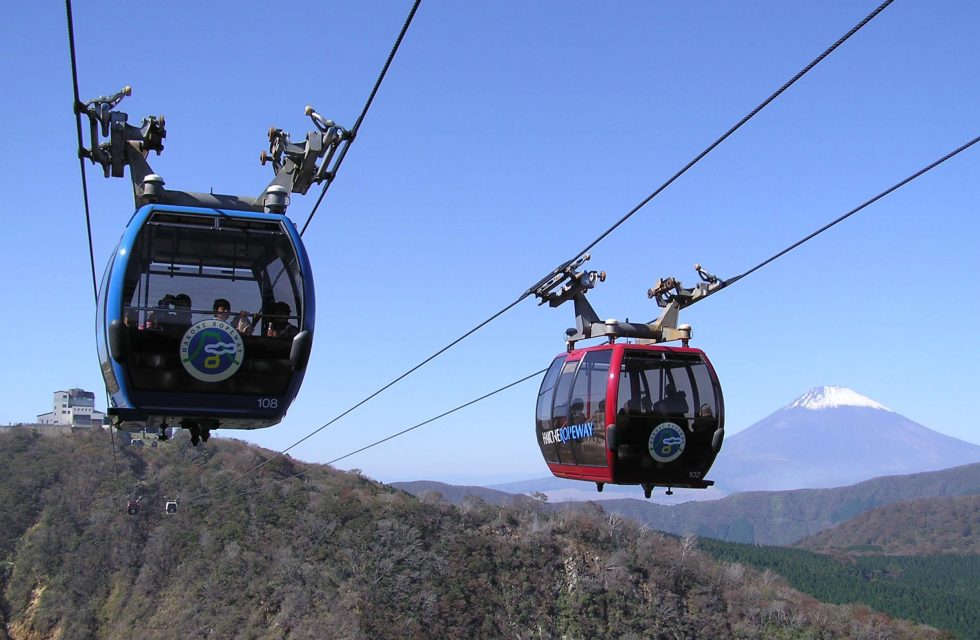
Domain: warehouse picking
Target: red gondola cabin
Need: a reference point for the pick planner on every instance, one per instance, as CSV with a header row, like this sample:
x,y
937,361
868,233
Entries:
x,y
631,414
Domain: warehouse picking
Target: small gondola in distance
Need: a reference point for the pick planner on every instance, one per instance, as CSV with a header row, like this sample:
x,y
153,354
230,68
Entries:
x,y
167,356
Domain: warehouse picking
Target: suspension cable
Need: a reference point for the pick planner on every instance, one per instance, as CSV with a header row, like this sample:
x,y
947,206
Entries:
x,y
738,125
530,291
357,125
386,439
78,107
376,393
850,213
727,283
441,415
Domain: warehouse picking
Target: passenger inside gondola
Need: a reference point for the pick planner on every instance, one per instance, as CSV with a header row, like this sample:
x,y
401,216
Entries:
x,y
279,325
131,318
221,309
674,402
182,311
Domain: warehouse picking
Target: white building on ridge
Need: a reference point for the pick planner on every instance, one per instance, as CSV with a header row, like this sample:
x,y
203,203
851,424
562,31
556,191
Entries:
x,y
73,408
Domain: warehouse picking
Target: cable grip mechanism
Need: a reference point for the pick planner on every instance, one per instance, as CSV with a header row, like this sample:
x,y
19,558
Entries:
x,y
125,142
295,165
575,282
669,291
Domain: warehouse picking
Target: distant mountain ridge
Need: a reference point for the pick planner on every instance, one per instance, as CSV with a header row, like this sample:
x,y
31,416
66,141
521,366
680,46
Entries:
x,y
770,517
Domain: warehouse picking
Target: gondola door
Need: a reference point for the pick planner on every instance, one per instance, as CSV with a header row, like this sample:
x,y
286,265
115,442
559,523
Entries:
x,y
669,417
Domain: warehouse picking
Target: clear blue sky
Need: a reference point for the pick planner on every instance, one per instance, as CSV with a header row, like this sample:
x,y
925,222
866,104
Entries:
x,y
506,137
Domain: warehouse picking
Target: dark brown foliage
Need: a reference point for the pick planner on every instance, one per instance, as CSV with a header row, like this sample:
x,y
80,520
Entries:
x,y
332,554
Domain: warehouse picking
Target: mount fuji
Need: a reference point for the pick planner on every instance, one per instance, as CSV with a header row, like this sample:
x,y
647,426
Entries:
x,y
830,437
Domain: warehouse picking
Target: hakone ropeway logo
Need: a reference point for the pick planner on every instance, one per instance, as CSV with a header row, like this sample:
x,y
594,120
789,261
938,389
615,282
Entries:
x,y
566,434
666,442
211,350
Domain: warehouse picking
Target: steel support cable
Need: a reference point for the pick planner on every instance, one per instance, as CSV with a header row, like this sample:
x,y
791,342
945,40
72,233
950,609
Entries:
x,y
367,105
738,125
441,415
856,209
77,108
180,456
727,283
371,396
404,431
660,189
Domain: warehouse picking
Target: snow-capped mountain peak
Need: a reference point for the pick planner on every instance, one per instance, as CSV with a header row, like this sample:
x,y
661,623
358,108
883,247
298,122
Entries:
x,y
832,397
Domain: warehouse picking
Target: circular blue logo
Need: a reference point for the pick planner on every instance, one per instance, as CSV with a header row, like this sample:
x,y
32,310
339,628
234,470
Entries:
x,y
211,350
667,442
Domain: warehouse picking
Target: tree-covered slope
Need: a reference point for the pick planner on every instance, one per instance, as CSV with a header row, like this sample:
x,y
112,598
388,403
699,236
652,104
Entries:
x,y
941,590
292,550
917,527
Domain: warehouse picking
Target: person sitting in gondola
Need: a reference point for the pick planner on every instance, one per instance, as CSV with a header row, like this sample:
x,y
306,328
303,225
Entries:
x,y
174,315
182,310
279,325
158,316
246,325
242,323
674,402
222,309
131,318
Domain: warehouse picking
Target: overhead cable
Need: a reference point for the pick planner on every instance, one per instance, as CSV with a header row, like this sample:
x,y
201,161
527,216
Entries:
x,y
367,105
732,130
727,283
376,393
385,439
531,290
850,213
78,107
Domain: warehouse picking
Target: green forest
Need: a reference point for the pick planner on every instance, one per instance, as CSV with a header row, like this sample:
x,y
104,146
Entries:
x,y
939,590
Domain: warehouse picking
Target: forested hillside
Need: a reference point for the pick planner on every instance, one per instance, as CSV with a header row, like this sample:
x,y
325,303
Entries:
x,y
302,551
941,590
917,527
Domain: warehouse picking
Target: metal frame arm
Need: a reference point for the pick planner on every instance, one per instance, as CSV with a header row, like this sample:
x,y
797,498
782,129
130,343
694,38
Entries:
x,y
565,283
124,138
295,165
682,297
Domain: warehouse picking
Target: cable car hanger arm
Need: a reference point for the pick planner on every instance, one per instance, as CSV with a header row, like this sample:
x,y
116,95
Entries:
x,y
295,165
566,283
114,125
298,171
